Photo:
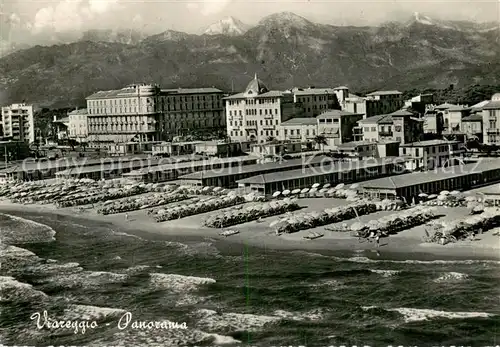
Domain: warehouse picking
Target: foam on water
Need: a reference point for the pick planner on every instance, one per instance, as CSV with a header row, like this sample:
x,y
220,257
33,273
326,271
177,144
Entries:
x,y
386,273
420,314
214,321
309,254
451,276
312,315
178,283
425,262
86,312
13,290
86,279
21,230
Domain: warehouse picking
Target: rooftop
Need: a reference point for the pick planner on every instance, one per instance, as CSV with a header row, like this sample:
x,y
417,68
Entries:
x,y
429,143
446,106
65,163
381,118
415,178
328,168
188,164
192,90
269,94
79,111
300,121
261,168
492,105
354,144
473,118
316,91
480,104
336,114
385,92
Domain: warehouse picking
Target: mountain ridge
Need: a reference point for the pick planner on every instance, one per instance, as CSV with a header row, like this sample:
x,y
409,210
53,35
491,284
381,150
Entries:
x,y
286,50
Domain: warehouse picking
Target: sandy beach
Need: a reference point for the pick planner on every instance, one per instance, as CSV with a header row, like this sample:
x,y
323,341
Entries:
x,y
408,243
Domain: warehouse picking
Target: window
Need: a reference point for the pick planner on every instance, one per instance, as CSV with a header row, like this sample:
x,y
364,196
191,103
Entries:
x,y
374,128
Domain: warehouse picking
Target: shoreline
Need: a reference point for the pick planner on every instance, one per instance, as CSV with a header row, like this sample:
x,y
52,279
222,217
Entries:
x,y
407,245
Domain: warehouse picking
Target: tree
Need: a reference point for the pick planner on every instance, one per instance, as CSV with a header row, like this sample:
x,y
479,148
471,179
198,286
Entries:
x,y
320,141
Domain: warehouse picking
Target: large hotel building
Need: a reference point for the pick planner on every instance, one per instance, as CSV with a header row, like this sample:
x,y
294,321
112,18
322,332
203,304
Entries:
x,y
143,112
257,113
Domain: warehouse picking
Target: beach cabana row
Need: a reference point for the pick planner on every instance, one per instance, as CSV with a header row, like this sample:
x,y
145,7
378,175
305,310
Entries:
x,y
251,213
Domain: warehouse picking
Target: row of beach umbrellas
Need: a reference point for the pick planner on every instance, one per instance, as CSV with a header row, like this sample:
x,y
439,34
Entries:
x,y
315,188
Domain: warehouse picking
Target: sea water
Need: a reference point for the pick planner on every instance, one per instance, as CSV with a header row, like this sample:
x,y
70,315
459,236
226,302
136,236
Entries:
x,y
68,281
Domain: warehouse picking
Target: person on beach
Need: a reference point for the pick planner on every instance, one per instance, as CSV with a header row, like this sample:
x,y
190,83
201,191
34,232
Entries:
x,y
377,240
126,216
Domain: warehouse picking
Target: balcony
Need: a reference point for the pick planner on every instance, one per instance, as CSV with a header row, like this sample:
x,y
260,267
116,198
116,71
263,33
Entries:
x,y
385,133
357,131
493,131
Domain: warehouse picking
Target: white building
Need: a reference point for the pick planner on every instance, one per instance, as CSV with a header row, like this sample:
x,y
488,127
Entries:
x,y
18,123
255,114
491,121
78,125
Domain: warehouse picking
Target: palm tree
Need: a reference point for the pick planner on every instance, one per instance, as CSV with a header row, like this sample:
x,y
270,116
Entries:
x,y
321,141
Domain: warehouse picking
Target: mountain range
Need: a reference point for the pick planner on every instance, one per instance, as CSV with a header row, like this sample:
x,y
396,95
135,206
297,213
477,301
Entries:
x,y
286,50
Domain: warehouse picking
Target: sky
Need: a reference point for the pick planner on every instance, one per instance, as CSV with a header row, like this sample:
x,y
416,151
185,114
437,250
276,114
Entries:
x,y
20,18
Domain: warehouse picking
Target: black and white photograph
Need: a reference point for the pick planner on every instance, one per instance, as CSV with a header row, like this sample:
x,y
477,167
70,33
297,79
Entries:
x,y
255,173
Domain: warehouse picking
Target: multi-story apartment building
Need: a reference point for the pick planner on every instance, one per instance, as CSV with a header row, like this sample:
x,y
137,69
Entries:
x,y
117,116
185,111
428,155
145,113
491,121
376,103
18,123
472,127
256,113
337,126
452,116
78,125
401,126
298,129
315,101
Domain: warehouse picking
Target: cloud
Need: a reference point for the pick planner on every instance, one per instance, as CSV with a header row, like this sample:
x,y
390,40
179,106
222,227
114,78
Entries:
x,y
208,7
69,15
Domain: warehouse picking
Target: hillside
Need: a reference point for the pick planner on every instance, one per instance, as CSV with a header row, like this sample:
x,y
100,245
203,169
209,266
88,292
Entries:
x,y
284,49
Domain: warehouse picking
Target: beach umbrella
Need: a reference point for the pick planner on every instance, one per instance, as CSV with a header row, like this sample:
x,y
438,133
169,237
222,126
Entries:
x,y
340,186
286,192
455,192
323,190
315,185
217,189
313,190
276,194
444,192
232,193
328,185
470,198
422,195
305,190
442,197
296,191
354,186
432,196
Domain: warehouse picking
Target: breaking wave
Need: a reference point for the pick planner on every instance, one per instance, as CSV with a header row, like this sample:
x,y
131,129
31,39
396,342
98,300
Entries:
x,y
416,314
17,230
451,276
